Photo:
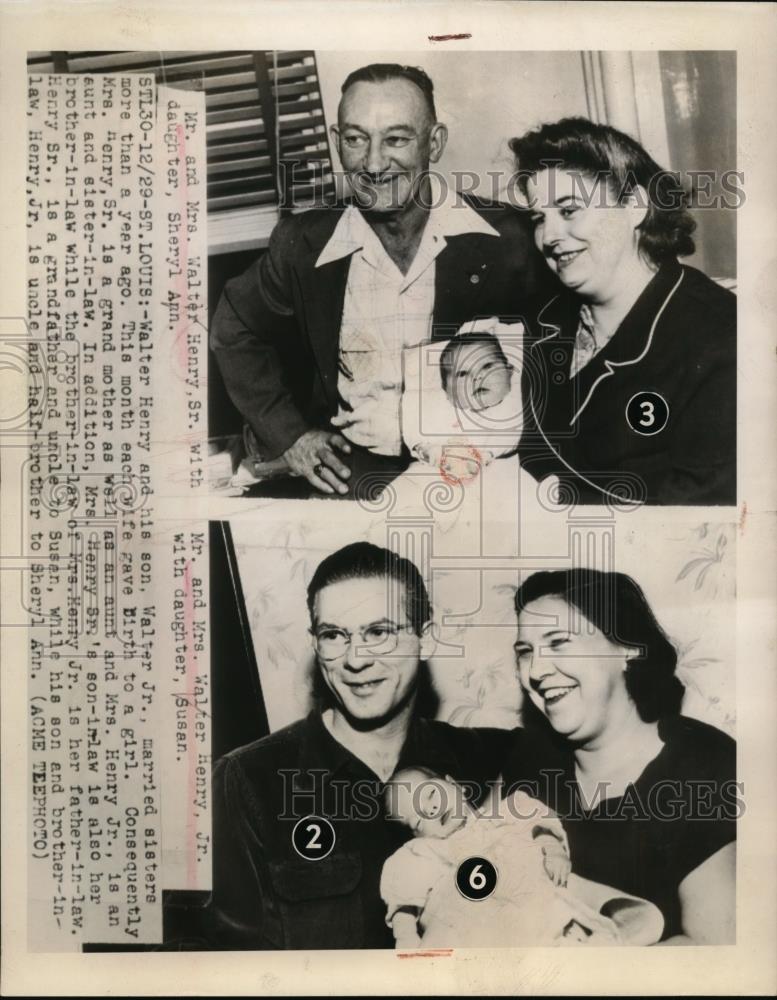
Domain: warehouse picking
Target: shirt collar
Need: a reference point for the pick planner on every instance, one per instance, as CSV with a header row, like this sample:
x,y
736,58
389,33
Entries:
x,y
586,318
349,236
321,751
450,215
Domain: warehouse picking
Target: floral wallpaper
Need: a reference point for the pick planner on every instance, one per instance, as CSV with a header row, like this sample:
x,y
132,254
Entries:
x,y
687,571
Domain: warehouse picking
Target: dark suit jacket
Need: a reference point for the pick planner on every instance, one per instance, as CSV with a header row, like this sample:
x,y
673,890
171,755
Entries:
x,y
276,329
678,340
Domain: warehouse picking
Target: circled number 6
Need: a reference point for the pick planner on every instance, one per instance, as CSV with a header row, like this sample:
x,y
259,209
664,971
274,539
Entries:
x,y
477,879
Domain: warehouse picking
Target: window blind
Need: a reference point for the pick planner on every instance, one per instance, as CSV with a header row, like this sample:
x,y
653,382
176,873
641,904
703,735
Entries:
x,y
268,151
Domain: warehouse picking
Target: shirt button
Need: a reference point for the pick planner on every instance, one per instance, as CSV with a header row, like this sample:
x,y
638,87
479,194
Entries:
x,y
474,278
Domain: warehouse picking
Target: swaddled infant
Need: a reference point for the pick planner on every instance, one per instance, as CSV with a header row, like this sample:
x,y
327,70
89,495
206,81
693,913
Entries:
x,y
525,842
473,414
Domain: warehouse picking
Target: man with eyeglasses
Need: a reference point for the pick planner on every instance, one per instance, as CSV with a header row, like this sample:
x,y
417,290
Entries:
x,y
309,339
371,630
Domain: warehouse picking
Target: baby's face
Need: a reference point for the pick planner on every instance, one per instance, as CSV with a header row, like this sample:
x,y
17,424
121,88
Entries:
x,y
480,378
430,807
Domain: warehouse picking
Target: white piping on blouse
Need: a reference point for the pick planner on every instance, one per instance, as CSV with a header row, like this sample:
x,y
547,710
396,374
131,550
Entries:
x,y
611,365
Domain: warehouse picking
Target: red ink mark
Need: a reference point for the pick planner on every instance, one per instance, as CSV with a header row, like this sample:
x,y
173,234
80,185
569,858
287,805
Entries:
x,y
460,465
743,516
191,784
436,953
449,38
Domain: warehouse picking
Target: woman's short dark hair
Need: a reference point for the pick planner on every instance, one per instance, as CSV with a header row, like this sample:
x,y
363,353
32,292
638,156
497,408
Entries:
x,y
383,72
364,561
604,152
616,605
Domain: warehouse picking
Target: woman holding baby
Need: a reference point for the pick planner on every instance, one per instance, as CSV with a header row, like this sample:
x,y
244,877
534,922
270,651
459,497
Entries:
x,y
617,818
646,796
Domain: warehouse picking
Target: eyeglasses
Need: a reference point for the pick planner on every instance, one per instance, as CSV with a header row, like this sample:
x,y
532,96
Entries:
x,y
378,639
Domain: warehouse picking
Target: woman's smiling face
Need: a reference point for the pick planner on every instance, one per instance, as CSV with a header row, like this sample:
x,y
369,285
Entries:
x,y
571,671
588,239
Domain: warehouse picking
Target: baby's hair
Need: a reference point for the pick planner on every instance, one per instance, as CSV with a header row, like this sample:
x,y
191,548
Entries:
x,y
448,355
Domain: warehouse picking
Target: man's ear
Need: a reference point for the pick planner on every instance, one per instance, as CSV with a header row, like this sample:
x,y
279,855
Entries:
x,y
334,131
428,641
438,137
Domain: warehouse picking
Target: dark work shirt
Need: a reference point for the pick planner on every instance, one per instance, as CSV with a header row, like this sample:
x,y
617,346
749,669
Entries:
x,y
677,814
265,894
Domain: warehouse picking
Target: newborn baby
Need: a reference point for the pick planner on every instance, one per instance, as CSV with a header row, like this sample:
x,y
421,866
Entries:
x,y
474,371
462,404
522,839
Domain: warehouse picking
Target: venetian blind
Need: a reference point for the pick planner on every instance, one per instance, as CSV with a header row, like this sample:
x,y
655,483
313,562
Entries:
x,y
268,151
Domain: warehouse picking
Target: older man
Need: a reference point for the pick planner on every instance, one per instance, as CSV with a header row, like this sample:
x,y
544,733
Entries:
x,y
300,829
310,338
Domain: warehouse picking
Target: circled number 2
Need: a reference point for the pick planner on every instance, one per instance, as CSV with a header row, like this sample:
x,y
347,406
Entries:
x,y
313,838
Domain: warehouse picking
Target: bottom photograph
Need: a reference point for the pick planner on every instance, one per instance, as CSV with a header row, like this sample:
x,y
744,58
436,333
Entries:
x,y
416,751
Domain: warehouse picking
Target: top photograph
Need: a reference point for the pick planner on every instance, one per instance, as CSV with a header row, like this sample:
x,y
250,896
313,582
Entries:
x,y
442,264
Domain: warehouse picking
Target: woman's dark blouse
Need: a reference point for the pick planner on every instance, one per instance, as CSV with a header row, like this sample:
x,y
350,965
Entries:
x,y
679,812
678,340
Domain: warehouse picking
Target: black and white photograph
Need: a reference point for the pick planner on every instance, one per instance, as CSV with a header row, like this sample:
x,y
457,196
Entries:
x,y
553,723
596,219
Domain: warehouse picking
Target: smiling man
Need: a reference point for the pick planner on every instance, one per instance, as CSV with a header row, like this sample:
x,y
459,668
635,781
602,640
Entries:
x,y
371,633
309,340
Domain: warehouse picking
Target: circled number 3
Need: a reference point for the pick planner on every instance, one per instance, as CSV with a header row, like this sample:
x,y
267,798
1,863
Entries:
x,y
648,413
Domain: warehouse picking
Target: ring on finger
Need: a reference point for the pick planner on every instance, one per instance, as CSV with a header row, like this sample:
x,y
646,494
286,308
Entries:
x,y
318,468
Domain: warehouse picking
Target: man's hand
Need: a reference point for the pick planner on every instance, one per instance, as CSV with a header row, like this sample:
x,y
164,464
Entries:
x,y
314,456
364,423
